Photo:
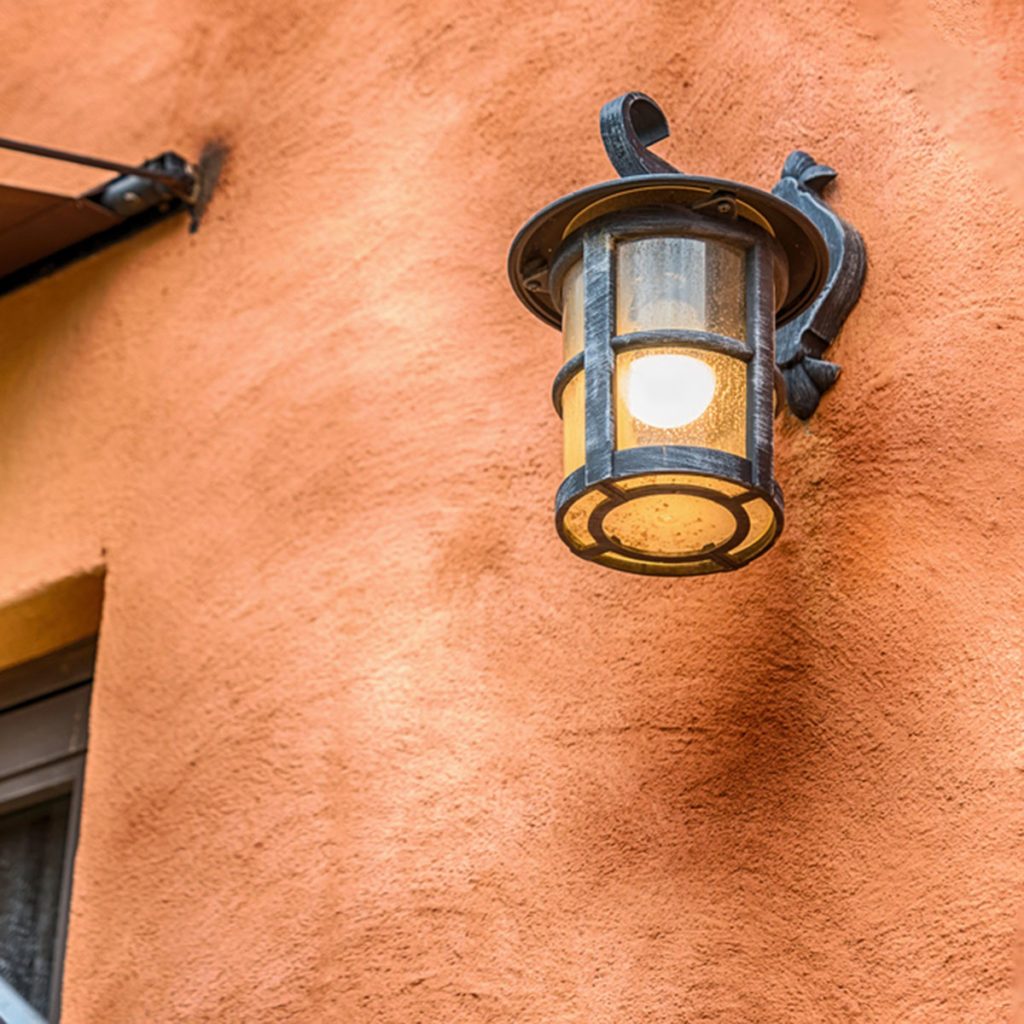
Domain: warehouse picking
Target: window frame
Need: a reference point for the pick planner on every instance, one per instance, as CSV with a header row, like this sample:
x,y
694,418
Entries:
x,y
44,705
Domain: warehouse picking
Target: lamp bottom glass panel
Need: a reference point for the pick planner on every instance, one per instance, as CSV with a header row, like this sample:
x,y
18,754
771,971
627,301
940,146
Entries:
x,y
670,524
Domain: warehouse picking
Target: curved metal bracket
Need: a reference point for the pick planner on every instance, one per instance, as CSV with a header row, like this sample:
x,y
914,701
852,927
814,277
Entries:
x,y
633,121
800,344
629,124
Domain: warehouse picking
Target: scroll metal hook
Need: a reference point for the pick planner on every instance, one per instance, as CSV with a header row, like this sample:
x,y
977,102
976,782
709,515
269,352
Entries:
x,y
629,124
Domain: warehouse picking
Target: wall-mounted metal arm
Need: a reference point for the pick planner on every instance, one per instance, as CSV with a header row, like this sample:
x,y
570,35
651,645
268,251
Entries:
x,y
182,185
801,343
41,231
633,121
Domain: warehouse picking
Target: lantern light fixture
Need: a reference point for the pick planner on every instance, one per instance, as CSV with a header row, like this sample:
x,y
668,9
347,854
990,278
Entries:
x,y
668,289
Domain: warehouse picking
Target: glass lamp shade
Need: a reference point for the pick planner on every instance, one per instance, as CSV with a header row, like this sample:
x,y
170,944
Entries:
x,y
679,494
667,298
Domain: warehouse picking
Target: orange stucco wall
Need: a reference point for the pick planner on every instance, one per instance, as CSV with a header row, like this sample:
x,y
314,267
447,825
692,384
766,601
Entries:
x,y
368,745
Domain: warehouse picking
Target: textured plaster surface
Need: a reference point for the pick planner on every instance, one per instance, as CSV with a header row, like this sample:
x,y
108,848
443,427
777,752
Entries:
x,y
367,744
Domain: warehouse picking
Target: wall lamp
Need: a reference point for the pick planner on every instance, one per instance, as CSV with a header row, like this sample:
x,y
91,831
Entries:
x,y
668,290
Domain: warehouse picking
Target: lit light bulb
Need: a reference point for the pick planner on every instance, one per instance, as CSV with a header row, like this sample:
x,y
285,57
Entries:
x,y
669,391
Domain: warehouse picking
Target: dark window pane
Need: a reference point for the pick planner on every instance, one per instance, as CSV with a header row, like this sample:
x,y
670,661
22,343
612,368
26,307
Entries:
x,y
31,862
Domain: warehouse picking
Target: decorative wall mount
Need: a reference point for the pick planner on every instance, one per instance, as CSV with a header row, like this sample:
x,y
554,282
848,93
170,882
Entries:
x,y
800,344
633,122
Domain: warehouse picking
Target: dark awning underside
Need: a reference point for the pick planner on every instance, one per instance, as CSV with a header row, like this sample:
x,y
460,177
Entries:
x,y
34,225
42,231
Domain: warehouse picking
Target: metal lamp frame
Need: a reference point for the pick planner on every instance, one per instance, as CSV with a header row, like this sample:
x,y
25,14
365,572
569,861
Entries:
x,y
595,243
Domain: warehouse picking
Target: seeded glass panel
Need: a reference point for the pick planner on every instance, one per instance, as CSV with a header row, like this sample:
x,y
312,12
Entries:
x,y
670,524
726,487
574,399
31,862
574,396
683,284
577,518
763,527
633,564
672,395
572,311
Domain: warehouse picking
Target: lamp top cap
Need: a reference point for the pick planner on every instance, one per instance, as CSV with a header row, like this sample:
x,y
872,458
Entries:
x,y
630,123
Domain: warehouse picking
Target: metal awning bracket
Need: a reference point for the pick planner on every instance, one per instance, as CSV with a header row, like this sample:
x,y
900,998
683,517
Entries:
x,y
41,231
182,182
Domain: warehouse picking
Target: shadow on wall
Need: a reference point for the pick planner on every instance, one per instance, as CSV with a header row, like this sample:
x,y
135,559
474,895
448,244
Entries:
x,y
32,321
51,617
48,324
750,737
